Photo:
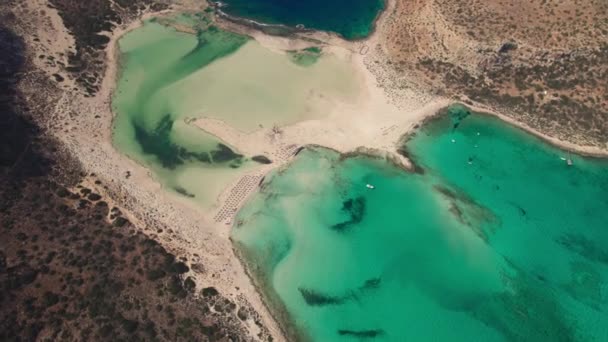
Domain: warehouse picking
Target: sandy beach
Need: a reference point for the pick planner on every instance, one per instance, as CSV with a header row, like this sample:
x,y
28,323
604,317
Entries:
x,y
376,121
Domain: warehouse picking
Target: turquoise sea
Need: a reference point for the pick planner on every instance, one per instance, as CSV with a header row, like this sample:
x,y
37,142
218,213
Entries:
x,y
495,239
352,19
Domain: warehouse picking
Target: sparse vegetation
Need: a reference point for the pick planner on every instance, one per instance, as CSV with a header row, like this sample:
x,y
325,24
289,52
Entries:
x,y
544,63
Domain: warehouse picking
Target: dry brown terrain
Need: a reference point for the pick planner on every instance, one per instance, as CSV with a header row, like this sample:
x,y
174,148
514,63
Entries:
x,y
74,269
542,62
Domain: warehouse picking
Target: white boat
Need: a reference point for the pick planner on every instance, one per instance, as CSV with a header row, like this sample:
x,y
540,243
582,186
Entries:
x,y
369,186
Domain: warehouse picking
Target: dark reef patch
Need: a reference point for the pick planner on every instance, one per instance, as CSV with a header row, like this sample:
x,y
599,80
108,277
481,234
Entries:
x,y
313,49
261,159
305,57
457,114
468,211
224,154
158,144
355,208
584,247
170,155
314,298
183,192
361,334
417,169
371,284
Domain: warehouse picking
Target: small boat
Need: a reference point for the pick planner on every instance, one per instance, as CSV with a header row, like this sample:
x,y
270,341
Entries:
x,y
369,186
453,140
569,162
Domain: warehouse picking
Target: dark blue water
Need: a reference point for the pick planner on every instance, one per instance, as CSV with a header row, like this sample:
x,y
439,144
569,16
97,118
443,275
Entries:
x,y
352,19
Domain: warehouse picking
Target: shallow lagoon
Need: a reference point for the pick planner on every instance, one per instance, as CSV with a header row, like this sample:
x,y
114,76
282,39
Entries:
x,y
352,19
169,77
498,240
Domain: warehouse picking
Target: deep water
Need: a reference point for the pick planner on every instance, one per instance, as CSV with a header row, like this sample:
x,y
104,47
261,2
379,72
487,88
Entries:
x,y
498,240
352,19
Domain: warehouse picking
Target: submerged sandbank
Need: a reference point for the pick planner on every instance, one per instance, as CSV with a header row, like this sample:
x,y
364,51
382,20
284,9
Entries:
x,y
499,239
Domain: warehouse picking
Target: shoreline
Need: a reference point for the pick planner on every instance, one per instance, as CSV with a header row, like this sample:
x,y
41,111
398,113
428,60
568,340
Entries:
x,y
582,150
271,301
